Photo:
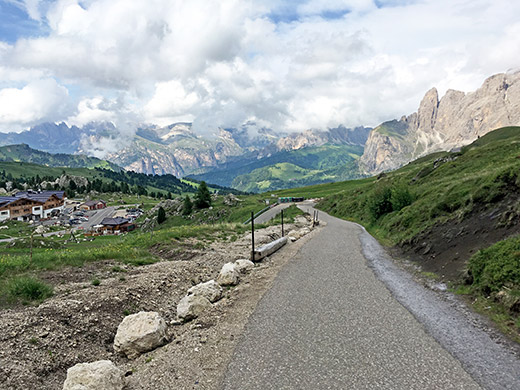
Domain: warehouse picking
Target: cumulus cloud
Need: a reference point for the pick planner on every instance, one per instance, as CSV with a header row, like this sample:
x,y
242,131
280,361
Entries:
x,y
38,101
97,109
290,65
170,103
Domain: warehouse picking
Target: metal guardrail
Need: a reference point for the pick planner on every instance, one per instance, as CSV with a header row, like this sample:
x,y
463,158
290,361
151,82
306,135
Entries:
x,y
257,214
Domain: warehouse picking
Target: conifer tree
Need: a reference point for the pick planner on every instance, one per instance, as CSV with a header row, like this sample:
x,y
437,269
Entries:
x,y
203,196
188,206
161,215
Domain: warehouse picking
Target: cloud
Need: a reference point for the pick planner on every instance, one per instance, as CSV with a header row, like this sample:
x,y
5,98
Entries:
x,y
39,101
170,103
97,109
290,65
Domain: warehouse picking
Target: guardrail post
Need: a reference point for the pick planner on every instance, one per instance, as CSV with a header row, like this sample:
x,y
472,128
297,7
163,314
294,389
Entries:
x,y
282,224
252,236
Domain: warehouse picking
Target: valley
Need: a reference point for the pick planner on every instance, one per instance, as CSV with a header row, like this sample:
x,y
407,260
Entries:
x,y
296,195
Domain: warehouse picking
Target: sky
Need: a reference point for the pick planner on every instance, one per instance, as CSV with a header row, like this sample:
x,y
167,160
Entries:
x,y
287,65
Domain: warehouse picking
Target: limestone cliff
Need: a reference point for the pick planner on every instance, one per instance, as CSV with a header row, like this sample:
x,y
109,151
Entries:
x,y
456,120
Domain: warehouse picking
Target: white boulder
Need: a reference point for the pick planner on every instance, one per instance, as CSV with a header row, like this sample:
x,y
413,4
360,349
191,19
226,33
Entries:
x,y
100,375
210,290
191,306
139,333
228,275
39,230
243,266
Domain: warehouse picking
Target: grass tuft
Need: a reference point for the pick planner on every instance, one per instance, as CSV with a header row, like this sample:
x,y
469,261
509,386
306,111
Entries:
x,y
28,290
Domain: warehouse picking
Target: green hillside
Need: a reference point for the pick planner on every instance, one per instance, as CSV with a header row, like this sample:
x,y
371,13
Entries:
x,y
101,180
287,169
23,153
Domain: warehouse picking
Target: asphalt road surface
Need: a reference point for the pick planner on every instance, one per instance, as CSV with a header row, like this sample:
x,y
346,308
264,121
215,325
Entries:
x,y
96,216
271,213
329,322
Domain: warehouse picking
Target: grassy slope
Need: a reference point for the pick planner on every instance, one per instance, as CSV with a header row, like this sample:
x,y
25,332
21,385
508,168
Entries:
x,y
478,175
321,164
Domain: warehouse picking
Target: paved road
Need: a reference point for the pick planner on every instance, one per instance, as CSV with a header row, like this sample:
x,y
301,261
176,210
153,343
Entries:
x,y
330,323
96,216
271,213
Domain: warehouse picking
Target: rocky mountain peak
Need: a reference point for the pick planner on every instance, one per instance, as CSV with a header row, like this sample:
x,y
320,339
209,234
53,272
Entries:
x,y
427,113
456,120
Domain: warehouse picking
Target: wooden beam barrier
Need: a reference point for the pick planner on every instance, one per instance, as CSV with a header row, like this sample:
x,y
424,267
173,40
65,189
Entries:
x,y
268,249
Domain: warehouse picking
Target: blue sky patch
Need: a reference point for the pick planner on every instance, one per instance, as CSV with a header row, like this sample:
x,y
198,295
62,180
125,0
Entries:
x,y
15,23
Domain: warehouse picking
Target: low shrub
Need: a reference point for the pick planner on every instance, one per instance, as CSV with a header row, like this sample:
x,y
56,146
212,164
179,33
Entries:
x,y
401,197
380,202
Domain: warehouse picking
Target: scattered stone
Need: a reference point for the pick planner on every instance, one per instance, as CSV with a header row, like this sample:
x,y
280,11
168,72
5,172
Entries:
x,y
191,306
100,375
243,266
139,333
39,230
209,290
231,200
228,275
296,235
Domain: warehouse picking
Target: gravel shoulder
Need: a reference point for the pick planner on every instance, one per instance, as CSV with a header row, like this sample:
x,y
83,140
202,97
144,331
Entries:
x,y
39,344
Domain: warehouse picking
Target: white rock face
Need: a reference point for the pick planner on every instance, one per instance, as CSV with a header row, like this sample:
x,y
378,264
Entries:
x,y
209,290
100,375
455,120
191,306
139,333
243,266
228,275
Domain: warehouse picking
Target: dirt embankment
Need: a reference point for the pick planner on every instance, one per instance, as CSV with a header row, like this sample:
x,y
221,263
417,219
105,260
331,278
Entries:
x,y
39,344
446,248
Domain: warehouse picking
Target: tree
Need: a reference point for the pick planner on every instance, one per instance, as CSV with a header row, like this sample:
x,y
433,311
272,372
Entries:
x,y
161,215
188,206
203,196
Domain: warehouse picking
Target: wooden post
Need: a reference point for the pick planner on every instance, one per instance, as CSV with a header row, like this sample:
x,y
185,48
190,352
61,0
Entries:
x,y
32,234
282,224
252,236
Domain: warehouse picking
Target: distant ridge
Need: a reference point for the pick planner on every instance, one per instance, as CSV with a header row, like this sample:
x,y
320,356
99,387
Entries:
x,y
24,153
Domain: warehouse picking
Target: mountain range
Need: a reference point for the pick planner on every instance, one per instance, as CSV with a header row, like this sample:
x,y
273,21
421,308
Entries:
x,y
250,158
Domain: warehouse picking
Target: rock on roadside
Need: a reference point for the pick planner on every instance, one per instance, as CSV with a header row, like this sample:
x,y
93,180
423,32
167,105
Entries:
x,y
228,275
209,290
100,375
139,333
191,306
243,266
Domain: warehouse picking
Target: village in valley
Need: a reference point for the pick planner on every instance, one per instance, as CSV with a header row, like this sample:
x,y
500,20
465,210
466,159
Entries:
x,y
52,209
